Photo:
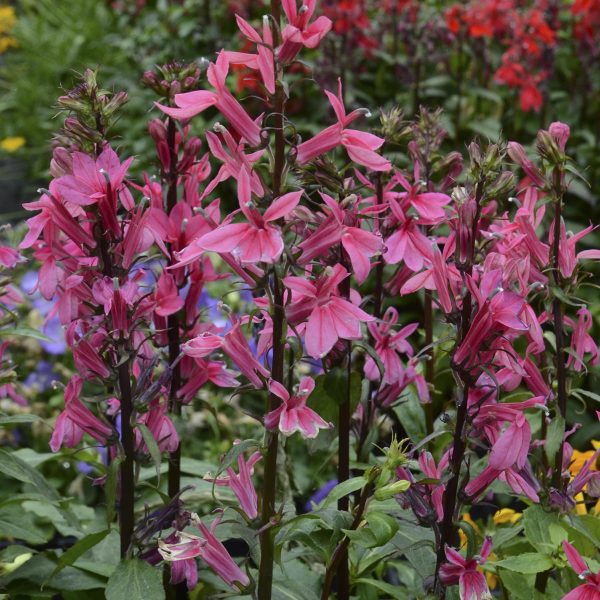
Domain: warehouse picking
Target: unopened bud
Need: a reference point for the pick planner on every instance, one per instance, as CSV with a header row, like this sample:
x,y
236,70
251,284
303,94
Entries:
x,y
391,489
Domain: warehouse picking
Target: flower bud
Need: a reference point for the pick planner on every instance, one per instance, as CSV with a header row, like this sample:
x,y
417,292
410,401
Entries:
x,y
391,489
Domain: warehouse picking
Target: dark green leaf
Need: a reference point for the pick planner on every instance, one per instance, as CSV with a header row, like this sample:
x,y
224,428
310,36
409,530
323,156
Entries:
x,y
135,579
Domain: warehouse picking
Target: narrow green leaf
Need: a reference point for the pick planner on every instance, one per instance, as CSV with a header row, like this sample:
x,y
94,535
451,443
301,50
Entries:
x,y
393,591
19,419
556,431
79,549
343,489
110,489
152,446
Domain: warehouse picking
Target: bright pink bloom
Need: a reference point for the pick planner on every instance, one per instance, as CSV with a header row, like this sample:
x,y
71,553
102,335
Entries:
x,y
582,342
341,226
77,419
433,471
209,549
429,205
236,164
252,242
329,316
471,582
241,483
263,60
360,145
167,296
292,414
192,103
388,346
235,345
299,32
161,427
590,590
9,257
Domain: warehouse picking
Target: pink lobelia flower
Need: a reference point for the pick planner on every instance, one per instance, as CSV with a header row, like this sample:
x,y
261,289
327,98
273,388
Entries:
x,y
292,414
329,316
209,549
429,205
471,582
192,103
582,342
251,242
167,296
360,145
590,590
77,419
236,164
9,257
342,226
263,59
235,345
241,483
161,427
388,344
299,32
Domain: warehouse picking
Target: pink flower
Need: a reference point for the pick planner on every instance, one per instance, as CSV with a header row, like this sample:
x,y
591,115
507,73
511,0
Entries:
x,y
9,257
263,60
236,164
590,590
235,345
209,549
299,32
167,296
471,582
251,242
292,414
429,205
241,483
342,226
77,419
360,145
160,426
192,103
329,316
582,342
388,345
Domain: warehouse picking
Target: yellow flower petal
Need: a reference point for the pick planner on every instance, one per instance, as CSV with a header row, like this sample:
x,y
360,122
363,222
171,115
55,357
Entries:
x,y
506,515
12,144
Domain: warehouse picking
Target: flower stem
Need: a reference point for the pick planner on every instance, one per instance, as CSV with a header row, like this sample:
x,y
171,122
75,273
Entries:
x,y
126,473
558,323
267,550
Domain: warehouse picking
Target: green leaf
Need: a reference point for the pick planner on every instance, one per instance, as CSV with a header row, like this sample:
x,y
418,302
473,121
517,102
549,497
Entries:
x,y
526,563
537,524
383,526
79,549
152,446
19,419
343,489
236,450
12,466
135,579
24,332
556,431
587,394
392,591
17,524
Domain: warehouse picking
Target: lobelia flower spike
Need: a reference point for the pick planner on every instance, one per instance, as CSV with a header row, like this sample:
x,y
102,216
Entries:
x,y
360,145
241,483
192,103
292,414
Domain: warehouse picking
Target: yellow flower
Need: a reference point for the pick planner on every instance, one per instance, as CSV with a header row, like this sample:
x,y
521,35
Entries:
x,y
463,538
506,515
12,144
7,42
491,578
8,18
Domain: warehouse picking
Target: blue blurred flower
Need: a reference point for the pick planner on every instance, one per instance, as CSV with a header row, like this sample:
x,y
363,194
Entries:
x,y
42,377
320,495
